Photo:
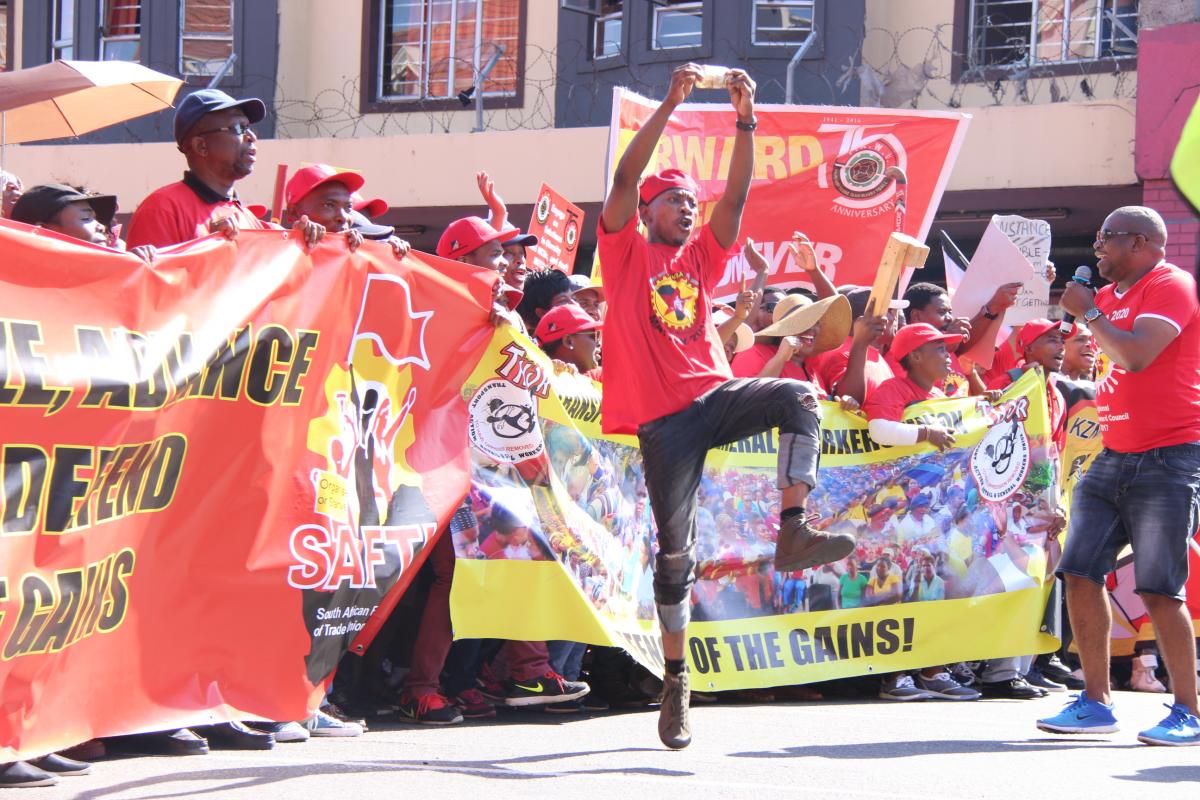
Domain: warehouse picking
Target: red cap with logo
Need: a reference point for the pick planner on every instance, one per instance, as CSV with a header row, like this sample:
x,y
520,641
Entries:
x,y
654,185
910,337
467,235
1035,328
308,178
562,321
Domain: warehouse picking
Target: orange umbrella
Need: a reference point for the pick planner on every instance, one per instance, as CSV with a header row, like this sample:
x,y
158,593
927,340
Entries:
x,y
69,98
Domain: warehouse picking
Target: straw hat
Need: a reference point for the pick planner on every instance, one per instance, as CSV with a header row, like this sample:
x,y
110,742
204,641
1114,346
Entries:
x,y
795,313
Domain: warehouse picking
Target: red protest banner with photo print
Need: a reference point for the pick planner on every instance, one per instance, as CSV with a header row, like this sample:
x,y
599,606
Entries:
x,y
847,177
556,222
215,470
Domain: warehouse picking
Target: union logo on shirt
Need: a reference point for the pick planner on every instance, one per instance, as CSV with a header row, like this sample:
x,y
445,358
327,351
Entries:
x,y
1108,374
674,300
955,385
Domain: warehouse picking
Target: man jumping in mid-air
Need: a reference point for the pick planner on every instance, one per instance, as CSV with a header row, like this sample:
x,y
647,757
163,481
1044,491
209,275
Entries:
x,y
666,377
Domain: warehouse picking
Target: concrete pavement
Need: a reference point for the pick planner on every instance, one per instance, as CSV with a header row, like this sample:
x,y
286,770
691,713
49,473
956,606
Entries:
x,y
852,749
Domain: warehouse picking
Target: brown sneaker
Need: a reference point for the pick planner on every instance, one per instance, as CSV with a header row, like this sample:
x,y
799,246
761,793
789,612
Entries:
x,y
673,727
801,546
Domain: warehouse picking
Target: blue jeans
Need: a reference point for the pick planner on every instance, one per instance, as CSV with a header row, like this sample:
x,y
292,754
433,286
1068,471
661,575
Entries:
x,y
566,658
1149,500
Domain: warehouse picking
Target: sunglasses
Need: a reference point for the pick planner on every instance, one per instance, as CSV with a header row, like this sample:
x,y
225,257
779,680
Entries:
x,y
237,129
1102,235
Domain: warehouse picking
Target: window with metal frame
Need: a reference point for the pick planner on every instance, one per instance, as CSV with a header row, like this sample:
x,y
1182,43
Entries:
x,y
205,36
677,24
607,29
434,49
62,30
4,35
781,22
120,30
1043,32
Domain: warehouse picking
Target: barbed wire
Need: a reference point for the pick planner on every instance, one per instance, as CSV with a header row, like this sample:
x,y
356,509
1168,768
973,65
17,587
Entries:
x,y
876,74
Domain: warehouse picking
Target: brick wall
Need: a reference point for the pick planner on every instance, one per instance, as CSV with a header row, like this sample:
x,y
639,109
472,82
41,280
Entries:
x,y
1183,223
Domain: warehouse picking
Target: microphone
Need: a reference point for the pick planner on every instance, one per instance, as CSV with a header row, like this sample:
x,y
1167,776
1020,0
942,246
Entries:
x,y
1083,276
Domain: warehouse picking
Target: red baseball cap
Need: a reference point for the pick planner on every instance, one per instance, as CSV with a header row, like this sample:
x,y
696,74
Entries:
x,y
308,178
654,185
375,207
562,321
467,235
1035,328
910,337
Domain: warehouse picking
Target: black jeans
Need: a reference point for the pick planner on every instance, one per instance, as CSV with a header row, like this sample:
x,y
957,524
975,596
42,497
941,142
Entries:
x,y
673,451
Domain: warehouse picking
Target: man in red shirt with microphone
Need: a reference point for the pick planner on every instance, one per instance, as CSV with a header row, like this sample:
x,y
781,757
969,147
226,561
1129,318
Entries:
x,y
666,377
1143,489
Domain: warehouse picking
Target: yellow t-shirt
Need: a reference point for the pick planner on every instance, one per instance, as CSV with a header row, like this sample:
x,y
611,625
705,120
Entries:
x,y
889,580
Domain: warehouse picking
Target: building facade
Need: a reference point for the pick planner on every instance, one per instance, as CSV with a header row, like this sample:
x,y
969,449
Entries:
x,y
1076,104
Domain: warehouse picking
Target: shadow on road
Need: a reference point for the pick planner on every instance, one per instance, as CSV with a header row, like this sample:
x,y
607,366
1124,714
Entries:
x,y
1163,775
936,747
501,769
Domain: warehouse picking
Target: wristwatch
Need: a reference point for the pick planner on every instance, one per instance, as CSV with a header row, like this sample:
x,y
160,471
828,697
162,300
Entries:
x,y
1091,314
987,312
747,126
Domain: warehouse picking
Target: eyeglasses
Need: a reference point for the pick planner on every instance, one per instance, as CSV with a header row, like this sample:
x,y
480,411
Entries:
x,y
1102,235
237,129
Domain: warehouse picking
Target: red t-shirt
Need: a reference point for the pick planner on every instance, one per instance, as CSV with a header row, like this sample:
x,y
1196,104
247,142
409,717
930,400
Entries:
x,y
661,348
1006,358
1160,405
748,363
830,367
889,400
179,213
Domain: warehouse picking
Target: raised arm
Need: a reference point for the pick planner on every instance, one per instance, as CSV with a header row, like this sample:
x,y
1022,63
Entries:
x,y
726,222
622,202
986,324
497,210
806,258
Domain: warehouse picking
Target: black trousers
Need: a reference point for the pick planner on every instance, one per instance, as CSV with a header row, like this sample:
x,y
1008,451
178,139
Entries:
x,y
673,452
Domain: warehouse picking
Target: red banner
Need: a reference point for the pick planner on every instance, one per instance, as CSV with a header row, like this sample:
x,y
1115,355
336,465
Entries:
x,y
216,470
556,222
847,177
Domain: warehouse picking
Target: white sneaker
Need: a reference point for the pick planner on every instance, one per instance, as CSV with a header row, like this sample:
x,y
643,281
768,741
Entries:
x,y
901,687
282,731
321,724
944,686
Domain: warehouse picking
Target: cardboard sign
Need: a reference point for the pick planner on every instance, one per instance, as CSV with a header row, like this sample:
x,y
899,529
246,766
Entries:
x,y
999,260
556,222
1032,238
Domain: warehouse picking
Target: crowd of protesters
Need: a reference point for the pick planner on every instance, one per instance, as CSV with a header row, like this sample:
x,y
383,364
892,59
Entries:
x,y
872,361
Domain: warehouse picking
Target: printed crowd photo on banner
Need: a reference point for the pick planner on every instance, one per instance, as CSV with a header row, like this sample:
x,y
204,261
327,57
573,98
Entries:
x,y
556,540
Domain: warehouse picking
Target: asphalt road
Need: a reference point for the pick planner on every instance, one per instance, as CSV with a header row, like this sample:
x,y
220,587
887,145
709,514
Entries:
x,y
859,749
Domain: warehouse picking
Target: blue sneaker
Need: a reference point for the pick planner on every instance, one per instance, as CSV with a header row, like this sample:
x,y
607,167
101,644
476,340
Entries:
x,y
1081,715
1179,729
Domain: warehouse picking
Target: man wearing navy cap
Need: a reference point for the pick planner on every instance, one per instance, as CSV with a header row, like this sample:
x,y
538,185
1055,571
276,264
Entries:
x,y
213,132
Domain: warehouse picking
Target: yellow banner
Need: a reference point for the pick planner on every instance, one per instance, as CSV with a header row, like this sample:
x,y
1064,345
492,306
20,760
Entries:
x,y
556,540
